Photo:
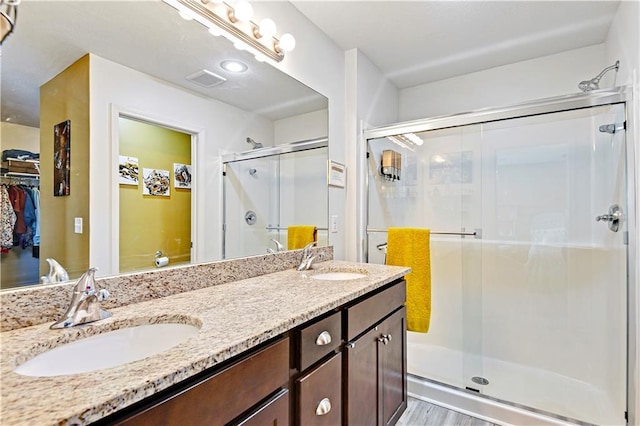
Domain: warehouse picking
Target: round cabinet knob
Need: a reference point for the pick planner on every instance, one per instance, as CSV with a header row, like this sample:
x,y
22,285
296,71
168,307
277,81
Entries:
x,y
323,338
324,407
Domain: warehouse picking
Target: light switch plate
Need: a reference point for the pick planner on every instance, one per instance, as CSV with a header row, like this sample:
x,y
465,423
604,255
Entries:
x,y
77,225
334,223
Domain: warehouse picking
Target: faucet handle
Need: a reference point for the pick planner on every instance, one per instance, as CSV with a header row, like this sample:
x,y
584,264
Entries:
x,y
308,247
279,246
103,294
86,283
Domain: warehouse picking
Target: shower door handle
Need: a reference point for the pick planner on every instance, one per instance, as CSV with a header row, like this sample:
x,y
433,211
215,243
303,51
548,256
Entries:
x,y
613,218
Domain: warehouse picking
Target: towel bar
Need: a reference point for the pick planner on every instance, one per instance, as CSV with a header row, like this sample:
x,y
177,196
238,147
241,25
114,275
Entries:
x,y
277,228
477,233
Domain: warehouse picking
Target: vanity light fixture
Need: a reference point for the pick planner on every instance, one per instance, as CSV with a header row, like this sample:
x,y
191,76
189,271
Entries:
x,y
236,25
8,16
234,66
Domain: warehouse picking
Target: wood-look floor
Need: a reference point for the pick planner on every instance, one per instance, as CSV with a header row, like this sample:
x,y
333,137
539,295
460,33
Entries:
x,y
421,413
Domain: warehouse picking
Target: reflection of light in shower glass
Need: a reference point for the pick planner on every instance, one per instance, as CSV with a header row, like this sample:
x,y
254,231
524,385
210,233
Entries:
x,y
438,159
413,138
398,141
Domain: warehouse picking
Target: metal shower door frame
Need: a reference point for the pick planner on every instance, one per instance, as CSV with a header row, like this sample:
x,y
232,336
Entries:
x,y
620,95
271,151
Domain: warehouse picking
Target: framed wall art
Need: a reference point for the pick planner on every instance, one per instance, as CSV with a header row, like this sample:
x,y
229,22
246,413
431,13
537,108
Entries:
x,y
62,158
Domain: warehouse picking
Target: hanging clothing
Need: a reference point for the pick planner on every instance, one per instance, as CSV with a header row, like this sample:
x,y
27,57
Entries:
x,y
18,200
7,219
36,227
29,208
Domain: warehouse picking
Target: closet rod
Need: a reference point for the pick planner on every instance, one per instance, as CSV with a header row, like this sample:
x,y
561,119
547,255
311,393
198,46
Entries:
x,y
19,180
277,228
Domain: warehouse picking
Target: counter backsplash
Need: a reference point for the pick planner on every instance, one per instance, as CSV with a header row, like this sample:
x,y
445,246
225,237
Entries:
x,y
29,306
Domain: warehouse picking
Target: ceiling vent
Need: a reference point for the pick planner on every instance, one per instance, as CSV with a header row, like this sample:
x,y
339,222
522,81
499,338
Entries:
x,y
206,78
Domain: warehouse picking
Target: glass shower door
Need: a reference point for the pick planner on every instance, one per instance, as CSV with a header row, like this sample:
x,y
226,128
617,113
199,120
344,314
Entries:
x,y
533,312
435,178
251,204
553,278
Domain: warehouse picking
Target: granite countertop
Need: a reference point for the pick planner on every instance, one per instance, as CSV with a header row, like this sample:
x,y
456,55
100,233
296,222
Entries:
x,y
234,317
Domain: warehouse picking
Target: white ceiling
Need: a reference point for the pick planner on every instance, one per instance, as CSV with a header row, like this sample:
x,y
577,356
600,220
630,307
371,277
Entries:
x,y
411,42
416,42
147,36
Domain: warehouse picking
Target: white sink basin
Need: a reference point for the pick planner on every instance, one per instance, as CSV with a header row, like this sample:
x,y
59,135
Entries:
x,y
107,350
338,276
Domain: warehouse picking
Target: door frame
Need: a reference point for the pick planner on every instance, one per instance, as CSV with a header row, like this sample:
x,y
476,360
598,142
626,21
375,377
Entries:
x,y
197,135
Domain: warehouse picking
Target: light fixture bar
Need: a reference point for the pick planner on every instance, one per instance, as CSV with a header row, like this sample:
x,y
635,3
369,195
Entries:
x,y
267,46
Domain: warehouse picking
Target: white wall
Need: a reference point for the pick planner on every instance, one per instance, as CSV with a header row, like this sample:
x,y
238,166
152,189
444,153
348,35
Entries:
x,y
372,101
16,136
318,63
222,128
301,127
538,78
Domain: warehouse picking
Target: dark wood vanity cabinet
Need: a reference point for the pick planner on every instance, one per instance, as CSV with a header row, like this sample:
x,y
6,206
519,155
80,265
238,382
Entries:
x,y
347,367
375,360
253,388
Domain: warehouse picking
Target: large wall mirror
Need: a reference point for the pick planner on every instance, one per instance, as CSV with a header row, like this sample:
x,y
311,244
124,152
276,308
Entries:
x,y
103,90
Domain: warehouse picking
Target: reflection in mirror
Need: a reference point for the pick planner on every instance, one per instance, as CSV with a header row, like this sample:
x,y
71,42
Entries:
x,y
268,191
91,64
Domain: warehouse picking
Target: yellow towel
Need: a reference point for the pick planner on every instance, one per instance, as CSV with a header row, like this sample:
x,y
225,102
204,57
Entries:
x,y
410,247
300,235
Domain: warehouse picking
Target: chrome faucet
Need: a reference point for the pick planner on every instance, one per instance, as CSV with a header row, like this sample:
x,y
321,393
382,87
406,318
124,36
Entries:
x,y
57,273
279,247
307,258
85,303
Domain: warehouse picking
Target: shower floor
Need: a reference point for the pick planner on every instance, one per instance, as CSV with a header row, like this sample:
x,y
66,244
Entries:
x,y
527,386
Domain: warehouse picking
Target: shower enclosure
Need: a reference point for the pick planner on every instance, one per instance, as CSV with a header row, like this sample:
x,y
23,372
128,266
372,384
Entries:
x,y
528,210
268,189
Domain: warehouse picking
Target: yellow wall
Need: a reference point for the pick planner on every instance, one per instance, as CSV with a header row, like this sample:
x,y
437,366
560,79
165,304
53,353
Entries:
x,y
65,97
16,136
150,223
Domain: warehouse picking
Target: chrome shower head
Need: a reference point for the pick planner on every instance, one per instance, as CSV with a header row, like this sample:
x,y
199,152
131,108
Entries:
x,y
254,144
589,85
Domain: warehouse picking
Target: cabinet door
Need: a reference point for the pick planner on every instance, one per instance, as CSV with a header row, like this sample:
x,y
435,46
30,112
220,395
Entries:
x,y
361,376
392,355
274,412
320,395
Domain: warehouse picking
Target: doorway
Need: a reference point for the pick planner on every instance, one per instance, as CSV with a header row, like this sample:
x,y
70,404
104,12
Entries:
x,y
155,188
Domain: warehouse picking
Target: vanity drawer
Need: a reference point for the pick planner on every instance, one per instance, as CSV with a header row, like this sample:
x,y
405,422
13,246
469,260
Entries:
x,y
363,315
225,395
320,394
320,339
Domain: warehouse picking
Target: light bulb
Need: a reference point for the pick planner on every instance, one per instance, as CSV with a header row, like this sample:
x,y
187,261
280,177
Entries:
x,y
287,42
243,11
260,57
234,66
215,31
267,28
